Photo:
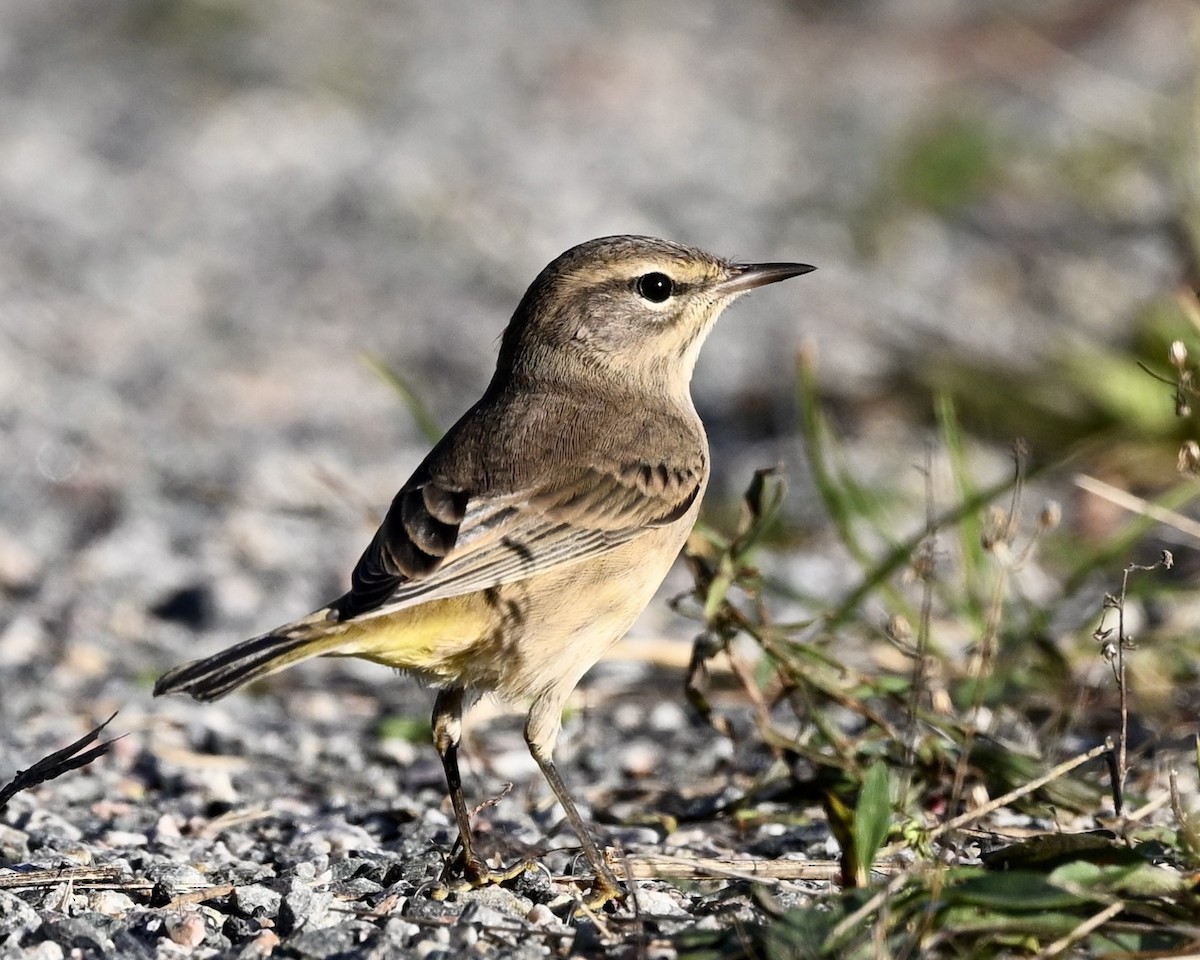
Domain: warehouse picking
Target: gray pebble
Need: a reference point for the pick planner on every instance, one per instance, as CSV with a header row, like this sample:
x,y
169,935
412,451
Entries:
x,y
16,918
172,879
14,844
77,933
304,908
186,928
486,915
400,932
295,908
46,950
111,903
342,939
255,900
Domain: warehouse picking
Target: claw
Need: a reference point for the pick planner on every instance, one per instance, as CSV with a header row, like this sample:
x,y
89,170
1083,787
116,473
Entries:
x,y
603,892
474,873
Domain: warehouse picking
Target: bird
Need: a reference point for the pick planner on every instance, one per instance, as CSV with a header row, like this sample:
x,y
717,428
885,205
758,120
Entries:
x,y
540,526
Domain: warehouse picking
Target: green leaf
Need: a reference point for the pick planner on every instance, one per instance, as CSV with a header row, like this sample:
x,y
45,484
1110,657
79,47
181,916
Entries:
x,y
1140,879
1046,852
1043,924
800,933
718,589
1012,890
872,818
760,506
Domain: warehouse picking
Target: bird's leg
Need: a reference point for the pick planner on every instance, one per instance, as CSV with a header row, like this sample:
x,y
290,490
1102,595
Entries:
x,y
447,733
541,731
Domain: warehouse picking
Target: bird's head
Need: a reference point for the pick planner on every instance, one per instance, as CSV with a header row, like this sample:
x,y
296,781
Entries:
x,y
630,311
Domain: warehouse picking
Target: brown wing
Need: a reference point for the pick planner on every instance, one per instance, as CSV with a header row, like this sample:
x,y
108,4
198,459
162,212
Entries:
x,y
439,540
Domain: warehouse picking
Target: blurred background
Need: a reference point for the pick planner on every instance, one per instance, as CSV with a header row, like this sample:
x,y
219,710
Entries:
x,y
213,212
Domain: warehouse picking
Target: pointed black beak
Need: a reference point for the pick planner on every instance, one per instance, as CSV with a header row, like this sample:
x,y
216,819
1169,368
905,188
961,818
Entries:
x,y
750,275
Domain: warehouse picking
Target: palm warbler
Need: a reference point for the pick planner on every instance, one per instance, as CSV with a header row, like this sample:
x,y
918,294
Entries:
x,y
540,526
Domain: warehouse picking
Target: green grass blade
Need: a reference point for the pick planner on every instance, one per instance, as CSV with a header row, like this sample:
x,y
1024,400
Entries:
x,y
421,414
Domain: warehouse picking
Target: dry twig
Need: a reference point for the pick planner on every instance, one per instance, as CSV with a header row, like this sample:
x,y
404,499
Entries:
x,y
57,763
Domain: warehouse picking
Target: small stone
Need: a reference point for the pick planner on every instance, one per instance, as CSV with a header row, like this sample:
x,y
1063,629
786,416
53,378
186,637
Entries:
x,y
255,900
468,936
485,915
313,844
342,939
541,915
14,844
641,759
304,908
667,716
166,827
627,716
111,903
43,824
120,839
186,929
16,918
262,945
400,932
21,641
305,871
348,838
77,934
356,888
295,906
658,903
240,929
46,950
19,567
172,879
347,868
499,899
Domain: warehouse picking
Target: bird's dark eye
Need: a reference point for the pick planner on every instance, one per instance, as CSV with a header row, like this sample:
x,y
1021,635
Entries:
x,y
655,287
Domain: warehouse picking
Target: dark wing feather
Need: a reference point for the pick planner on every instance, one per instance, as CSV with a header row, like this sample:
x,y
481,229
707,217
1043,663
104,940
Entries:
x,y
439,541
414,539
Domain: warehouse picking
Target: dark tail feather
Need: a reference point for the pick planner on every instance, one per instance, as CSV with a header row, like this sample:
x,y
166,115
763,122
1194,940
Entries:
x,y
215,676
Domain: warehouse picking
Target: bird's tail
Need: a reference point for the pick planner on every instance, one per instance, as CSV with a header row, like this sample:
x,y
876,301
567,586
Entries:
x,y
215,676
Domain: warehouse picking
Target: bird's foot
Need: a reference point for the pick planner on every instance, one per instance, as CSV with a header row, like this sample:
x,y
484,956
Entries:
x,y
471,874
605,890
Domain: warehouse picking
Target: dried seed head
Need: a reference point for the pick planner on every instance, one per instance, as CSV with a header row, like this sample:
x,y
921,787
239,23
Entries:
x,y
1178,354
1051,515
899,629
995,528
1189,458
924,566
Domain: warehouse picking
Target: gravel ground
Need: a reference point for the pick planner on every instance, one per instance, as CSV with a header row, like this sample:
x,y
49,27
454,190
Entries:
x,y
287,823
210,209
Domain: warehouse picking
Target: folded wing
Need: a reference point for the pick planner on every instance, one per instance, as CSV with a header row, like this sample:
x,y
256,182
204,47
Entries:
x,y
439,540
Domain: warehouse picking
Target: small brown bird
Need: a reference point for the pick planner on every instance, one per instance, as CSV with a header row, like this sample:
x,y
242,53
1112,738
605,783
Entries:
x,y
538,529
